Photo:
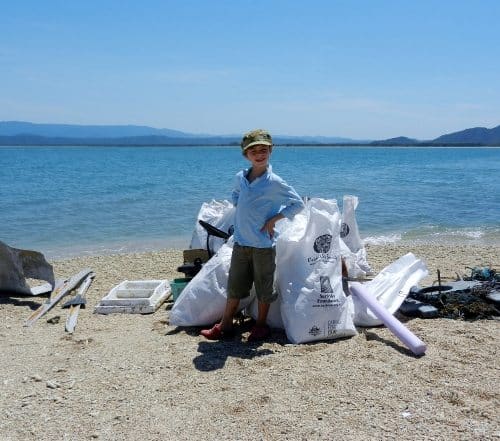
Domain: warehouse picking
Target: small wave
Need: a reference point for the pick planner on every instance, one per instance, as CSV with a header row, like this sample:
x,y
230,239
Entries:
x,y
434,234
382,240
471,234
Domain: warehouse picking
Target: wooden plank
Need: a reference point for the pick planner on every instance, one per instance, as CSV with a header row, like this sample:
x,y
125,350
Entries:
x,y
77,302
58,293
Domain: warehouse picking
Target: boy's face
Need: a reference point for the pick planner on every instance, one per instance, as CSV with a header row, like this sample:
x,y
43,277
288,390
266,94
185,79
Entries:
x,y
258,155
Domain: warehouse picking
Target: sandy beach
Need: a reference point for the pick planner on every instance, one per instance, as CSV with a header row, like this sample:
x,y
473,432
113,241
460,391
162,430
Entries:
x,y
131,377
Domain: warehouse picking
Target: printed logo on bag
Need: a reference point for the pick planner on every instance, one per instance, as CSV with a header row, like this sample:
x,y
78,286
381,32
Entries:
x,y
323,243
325,284
314,331
326,297
344,230
322,246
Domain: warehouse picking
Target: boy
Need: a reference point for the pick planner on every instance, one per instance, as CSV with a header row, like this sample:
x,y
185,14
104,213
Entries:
x,y
261,198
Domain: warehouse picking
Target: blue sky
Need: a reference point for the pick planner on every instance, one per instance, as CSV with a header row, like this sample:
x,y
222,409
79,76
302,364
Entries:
x,y
357,69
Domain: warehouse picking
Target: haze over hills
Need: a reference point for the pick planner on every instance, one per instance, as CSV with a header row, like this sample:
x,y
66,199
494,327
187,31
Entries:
x,y
26,133
13,128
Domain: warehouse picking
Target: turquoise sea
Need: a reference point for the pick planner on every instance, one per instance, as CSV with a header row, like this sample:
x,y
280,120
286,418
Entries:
x,y
70,201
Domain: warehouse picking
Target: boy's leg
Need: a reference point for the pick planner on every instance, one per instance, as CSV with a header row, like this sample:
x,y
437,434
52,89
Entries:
x,y
263,310
229,312
261,329
225,327
239,284
264,268
240,280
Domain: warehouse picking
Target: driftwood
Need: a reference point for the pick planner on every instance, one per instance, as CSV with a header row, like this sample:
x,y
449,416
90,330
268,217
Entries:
x,y
59,292
16,265
76,302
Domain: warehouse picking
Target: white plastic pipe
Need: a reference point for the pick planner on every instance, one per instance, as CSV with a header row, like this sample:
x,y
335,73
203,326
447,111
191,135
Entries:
x,y
417,346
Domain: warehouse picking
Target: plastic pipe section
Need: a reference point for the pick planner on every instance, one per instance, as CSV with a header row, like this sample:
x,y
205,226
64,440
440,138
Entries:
x,y
417,346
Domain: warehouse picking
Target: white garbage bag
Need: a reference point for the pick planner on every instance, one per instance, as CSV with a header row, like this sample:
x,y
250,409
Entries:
x,y
356,260
349,231
354,271
313,304
219,214
390,287
203,300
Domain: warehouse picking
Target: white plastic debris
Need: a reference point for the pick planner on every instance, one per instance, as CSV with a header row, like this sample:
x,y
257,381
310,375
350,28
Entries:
x,y
134,297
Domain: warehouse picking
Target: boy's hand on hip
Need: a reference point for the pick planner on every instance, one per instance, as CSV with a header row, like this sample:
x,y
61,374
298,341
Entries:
x,y
270,223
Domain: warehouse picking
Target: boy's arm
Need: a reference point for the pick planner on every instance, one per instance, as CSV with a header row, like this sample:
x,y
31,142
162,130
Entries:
x,y
270,223
293,202
292,205
234,197
236,190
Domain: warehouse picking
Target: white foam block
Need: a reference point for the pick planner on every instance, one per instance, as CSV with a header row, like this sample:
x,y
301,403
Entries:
x,y
41,290
134,297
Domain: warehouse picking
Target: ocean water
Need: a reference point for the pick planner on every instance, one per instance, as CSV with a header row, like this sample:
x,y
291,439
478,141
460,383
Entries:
x,y
71,201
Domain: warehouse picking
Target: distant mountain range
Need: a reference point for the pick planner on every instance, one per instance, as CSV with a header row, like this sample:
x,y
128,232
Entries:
x,y
26,133
480,136
13,128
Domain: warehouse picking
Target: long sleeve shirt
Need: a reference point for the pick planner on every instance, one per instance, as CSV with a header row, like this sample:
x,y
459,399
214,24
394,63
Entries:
x,y
258,201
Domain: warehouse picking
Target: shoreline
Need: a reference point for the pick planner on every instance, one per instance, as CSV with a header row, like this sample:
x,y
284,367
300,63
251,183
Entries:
x,y
131,376
449,259
148,245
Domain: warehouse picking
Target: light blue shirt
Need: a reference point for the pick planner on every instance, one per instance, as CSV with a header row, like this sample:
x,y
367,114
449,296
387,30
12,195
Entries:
x,y
258,201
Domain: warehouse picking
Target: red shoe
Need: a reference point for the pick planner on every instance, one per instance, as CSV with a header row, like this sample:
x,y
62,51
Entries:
x,y
259,333
216,333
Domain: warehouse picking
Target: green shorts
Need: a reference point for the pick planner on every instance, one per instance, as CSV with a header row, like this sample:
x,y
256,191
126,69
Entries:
x,y
249,266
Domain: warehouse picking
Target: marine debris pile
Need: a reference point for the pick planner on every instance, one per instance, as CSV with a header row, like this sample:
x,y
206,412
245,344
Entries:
x,y
469,298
